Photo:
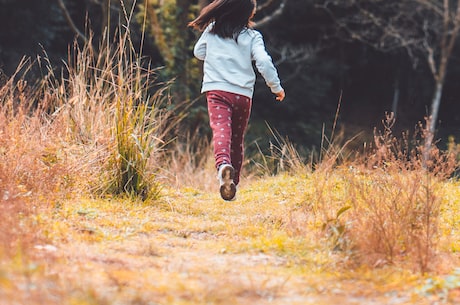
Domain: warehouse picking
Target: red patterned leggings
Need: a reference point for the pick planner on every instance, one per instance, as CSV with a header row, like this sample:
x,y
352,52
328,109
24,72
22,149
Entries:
x,y
228,115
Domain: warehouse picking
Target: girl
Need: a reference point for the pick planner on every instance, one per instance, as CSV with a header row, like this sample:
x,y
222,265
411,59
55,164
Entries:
x,y
228,45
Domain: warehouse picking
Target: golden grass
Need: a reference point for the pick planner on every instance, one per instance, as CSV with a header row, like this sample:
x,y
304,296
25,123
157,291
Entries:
x,y
193,248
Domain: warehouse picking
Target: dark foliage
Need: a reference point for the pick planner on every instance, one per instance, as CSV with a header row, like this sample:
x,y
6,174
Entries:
x,y
318,62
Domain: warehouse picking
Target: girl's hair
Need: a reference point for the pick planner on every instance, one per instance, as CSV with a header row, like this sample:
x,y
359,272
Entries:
x,y
230,17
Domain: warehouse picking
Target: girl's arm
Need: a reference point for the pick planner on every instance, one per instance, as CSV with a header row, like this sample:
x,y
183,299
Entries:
x,y
280,95
200,47
264,65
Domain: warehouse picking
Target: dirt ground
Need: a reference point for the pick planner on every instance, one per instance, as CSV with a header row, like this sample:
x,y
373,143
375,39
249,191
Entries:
x,y
193,248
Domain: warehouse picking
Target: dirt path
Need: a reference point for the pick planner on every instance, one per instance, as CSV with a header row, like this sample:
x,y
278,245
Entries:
x,y
167,269
192,248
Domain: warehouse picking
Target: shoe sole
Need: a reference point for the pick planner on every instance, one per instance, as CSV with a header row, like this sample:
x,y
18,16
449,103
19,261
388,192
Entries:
x,y
228,187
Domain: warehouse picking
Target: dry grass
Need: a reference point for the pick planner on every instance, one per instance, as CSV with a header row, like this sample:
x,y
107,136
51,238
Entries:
x,y
111,107
94,129
189,163
383,208
34,169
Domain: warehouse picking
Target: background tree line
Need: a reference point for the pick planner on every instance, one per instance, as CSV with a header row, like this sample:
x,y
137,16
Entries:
x,y
372,56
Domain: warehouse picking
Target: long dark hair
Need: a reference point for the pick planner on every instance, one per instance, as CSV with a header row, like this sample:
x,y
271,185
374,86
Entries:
x,y
230,17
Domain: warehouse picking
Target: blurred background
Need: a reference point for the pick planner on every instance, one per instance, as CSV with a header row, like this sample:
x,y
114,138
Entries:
x,y
343,62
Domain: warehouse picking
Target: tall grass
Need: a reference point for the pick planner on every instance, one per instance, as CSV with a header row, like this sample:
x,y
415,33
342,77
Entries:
x,y
33,172
189,163
96,127
114,114
282,157
384,207
401,193
378,207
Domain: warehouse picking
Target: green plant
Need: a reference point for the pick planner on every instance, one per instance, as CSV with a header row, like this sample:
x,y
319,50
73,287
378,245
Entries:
x,y
135,142
136,125
335,230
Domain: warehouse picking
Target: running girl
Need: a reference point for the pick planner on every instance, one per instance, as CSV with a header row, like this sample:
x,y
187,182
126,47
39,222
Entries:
x,y
228,46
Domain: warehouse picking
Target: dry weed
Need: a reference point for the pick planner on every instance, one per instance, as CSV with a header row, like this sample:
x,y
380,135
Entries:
x,y
189,163
383,208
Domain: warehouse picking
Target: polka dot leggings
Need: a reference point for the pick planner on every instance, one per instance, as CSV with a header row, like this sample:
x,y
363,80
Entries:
x,y
228,115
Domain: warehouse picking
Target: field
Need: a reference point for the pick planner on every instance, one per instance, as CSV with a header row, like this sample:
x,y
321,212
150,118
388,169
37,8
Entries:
x,y
102,204
190,247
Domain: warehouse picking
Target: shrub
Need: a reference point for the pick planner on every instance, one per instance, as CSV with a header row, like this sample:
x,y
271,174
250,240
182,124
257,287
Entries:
x,y
384,207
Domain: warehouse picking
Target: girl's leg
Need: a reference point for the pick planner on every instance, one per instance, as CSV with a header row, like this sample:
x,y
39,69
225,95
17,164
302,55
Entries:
x,y
228,115
240,118
220,120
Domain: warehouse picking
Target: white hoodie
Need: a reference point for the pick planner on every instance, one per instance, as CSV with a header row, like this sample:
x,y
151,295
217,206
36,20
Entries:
x,y
228,64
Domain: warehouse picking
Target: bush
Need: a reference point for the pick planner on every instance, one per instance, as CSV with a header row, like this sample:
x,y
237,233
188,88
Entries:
x,y
383,208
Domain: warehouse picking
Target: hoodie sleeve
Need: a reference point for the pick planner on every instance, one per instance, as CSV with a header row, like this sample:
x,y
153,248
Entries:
x,y
200,47
264,64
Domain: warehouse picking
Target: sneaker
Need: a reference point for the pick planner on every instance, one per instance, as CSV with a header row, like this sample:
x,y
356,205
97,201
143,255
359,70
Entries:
x,y
227,186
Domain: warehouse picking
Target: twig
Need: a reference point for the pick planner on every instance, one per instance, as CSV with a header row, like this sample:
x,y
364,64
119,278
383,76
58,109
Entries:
x,y
270,17
70,21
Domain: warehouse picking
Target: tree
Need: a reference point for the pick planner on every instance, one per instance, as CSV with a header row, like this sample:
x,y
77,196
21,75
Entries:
x,y
27,26
426,29
167,24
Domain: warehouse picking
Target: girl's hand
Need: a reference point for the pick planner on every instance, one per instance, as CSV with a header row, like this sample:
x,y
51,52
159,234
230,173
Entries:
x,y
280,95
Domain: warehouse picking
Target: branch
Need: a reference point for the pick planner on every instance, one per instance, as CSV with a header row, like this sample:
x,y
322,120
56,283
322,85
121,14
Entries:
x,y
267,19
293,55
70,21
265,5
450,36
430,52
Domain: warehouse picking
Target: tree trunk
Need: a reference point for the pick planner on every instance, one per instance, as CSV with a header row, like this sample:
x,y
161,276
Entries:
x,y
159,36
435,104
448,39
396,92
